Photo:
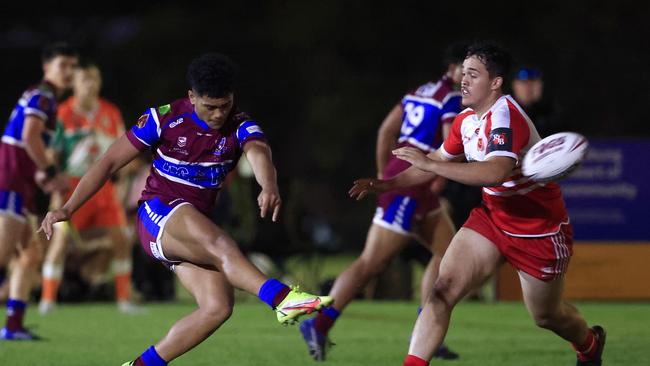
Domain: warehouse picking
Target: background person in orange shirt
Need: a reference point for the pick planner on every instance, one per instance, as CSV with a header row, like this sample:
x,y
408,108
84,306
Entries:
x,y
89,124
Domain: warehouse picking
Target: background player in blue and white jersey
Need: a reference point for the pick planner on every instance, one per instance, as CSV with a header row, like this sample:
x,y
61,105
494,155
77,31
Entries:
x,y
196,141
24,166
421,120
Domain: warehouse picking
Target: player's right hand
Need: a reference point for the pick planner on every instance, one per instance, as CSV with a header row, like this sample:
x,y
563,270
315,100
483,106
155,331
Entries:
x,y
363,187
52,217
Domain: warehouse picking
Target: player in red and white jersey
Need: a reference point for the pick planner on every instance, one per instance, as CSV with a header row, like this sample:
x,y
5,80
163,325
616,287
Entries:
x,y
519,220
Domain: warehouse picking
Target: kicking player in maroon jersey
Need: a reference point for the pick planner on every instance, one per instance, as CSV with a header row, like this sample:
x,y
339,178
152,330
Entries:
x,y
196,141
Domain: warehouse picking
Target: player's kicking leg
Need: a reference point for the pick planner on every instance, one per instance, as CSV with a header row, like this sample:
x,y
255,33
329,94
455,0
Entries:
x,y
381,246
436,232
215,299
186,235
468,261
544,302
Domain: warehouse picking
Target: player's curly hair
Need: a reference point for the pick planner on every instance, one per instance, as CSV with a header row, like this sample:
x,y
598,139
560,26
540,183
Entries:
x,y
212,75
497,60
55,49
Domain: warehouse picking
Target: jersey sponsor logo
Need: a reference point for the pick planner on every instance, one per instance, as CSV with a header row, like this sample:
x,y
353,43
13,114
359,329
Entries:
x,y
164,109
154,250
220,149
176,123
175,170
182,141
500,140
142,120
253,129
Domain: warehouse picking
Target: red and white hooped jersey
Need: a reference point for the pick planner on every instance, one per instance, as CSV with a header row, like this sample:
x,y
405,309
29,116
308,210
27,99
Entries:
x,y
519,206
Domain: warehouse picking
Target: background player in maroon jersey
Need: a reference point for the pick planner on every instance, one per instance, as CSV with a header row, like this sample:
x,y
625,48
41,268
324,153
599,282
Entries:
x,y
519,221
196,142
25,165
420,120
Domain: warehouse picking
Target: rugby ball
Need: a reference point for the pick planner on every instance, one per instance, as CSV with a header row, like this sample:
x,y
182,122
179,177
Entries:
x,y
554,157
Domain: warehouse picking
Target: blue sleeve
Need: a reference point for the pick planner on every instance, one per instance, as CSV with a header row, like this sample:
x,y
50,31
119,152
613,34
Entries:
x,y
147,129
247,131
38,105
451,107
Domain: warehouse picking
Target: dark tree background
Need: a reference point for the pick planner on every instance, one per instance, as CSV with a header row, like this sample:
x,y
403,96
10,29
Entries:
x,y
321,75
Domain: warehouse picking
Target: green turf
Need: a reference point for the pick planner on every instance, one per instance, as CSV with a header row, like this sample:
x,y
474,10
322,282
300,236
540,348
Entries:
x,y
369,333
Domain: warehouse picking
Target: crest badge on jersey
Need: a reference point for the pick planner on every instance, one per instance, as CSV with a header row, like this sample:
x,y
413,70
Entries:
x,y
221,147
182,141
479,145
142,120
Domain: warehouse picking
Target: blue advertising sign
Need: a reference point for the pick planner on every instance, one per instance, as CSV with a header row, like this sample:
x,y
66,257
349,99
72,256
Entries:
x,y
608,197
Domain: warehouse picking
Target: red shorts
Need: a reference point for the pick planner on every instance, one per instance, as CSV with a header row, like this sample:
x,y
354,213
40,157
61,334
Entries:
x,y
103,210
545,257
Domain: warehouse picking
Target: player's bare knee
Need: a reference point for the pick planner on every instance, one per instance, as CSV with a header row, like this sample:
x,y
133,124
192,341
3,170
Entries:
x,y
30,259
216,312
369,267
546,320
221,248
443,291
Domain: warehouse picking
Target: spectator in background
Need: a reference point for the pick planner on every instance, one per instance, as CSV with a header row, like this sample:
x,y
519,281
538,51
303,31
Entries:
x,y
528,91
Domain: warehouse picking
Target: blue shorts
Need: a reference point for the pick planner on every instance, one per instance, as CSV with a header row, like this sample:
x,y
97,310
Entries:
x,y
11,204
152,217
401,214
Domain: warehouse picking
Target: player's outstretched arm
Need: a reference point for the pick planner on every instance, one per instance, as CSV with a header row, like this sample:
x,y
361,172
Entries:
x,y
488,173
410,177
118,155
387,137
258,154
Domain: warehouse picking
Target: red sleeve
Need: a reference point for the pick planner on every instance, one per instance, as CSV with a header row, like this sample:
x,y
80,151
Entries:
x,y
453,145
508,132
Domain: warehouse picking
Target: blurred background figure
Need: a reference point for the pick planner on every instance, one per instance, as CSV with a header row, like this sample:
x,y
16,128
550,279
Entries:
x,y
26,167
422,119
88,125
528,91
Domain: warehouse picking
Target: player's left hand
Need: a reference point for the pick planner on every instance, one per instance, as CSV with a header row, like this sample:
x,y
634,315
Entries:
x,y
416,157
269,200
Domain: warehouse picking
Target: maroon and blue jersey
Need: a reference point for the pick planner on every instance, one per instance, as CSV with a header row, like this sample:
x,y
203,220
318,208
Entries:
x,y
17,169
190,159
426,110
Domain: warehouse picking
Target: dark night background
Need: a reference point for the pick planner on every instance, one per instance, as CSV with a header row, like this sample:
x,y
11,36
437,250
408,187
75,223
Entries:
x,y
320,76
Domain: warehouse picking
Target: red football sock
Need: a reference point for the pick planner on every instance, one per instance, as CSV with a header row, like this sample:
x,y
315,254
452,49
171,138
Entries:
x,y
588,348
412,360
323,323
15,314
280,296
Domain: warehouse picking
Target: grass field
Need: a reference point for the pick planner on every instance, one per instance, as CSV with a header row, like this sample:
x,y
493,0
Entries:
x,y
369,333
